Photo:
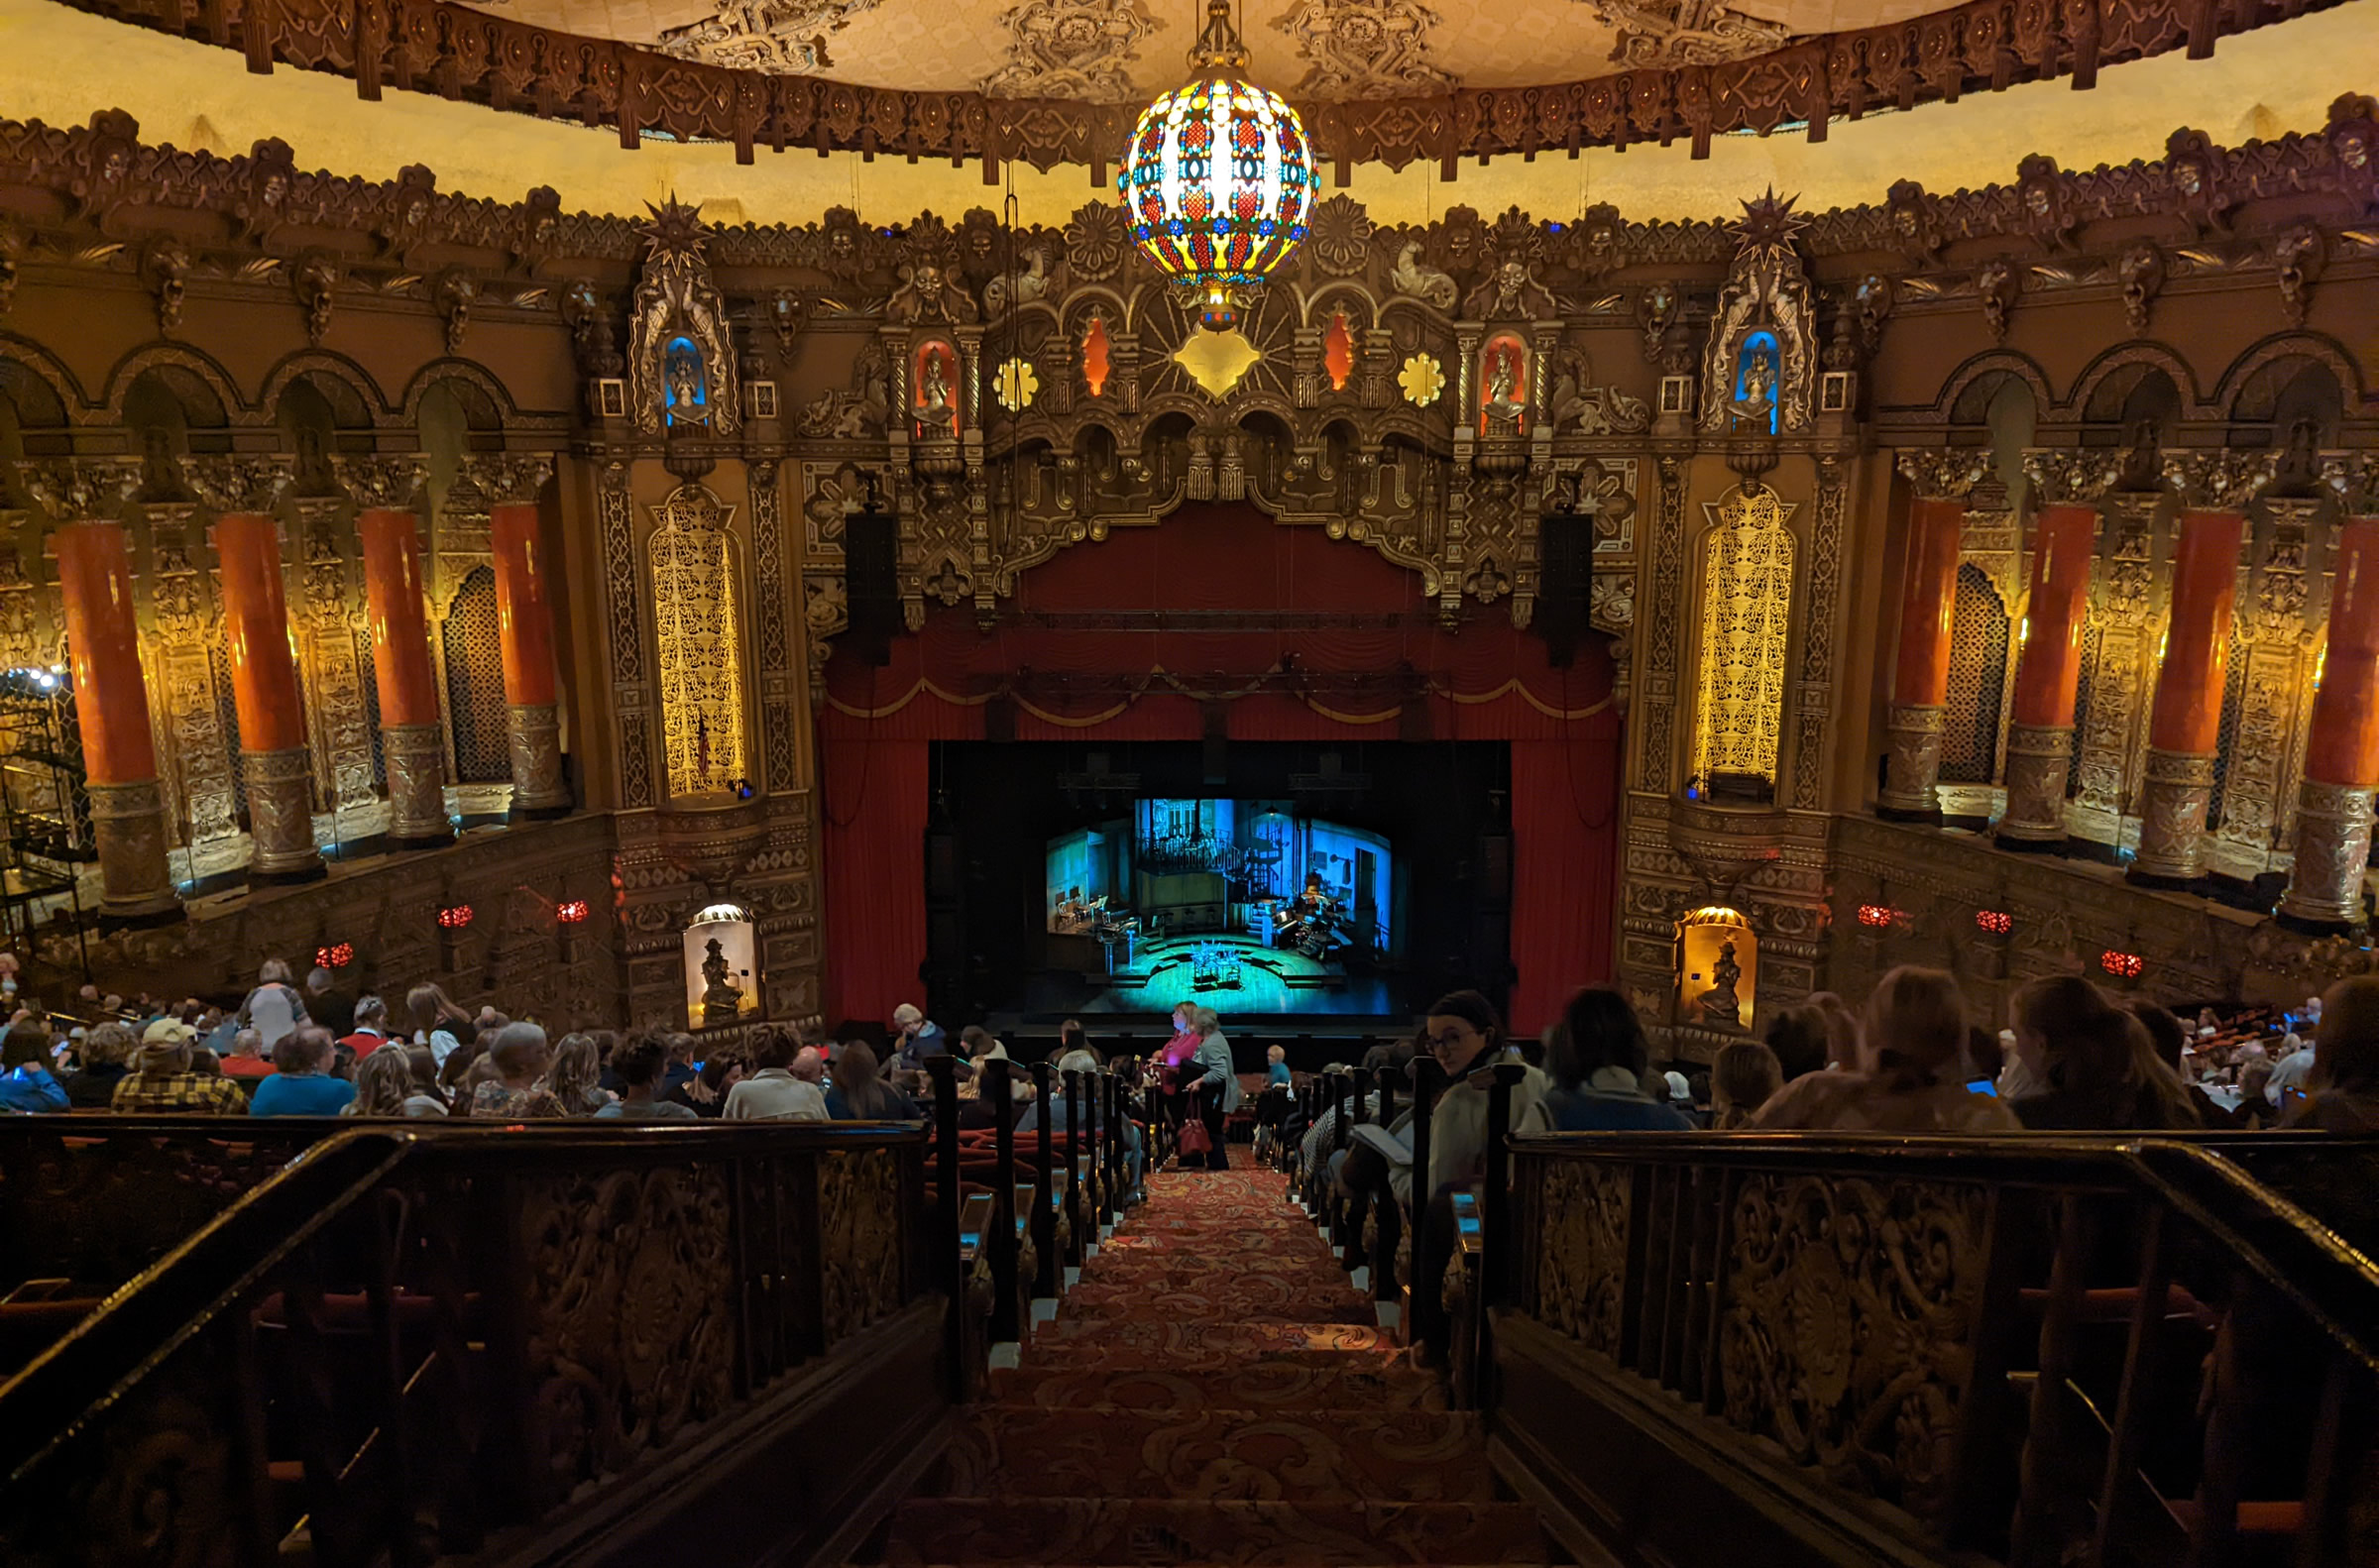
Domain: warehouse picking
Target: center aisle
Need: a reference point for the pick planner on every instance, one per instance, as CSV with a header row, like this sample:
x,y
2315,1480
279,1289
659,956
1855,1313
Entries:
x,y
1214,1391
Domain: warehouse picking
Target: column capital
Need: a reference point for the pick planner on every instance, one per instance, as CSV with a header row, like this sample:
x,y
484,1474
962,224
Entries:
x,y
1943,473
2218,479
2355,475
382,482
251,481
82,488
2072,477
508,477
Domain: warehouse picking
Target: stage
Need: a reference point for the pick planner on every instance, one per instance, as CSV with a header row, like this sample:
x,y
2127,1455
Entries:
x,y
1231,974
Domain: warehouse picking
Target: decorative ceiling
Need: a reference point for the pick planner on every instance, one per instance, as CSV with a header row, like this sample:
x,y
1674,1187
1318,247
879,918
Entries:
x,y
1121,51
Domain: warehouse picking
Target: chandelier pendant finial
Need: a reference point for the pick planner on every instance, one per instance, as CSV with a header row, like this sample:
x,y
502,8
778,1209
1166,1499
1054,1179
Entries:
x,y
1219,179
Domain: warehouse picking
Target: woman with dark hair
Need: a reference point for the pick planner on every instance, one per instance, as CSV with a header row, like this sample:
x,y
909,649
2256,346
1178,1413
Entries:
x,y
2094,1061
1798,1037
858,1095
705,1093
1746,1078
2169,1038
28,1084
1598,1056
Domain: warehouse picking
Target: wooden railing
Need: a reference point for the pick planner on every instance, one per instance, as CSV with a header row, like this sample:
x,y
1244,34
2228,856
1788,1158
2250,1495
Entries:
x,y
1866,1348
432,1343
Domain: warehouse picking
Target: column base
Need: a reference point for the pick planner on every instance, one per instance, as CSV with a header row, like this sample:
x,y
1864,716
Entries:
x,y
111,920
534,732
1913,767
2039,761
416,766
128,827
2334,849
281,817
2172,820
2016,844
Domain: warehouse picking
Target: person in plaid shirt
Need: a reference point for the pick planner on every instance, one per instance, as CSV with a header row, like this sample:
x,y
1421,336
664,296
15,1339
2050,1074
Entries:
x,y
162,1084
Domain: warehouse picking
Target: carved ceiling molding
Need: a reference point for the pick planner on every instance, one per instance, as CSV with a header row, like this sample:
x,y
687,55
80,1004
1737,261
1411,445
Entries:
x,y
402,234
433,45
1366,48
1685,32
1074,49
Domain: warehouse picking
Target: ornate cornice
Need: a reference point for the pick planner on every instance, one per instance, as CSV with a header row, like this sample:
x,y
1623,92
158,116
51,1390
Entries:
x,y
239,483
386,482
432,47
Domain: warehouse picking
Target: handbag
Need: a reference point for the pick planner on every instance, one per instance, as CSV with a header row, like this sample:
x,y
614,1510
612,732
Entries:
x,y
1194,1138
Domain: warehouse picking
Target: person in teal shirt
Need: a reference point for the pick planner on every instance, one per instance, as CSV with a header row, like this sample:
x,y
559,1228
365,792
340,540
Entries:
x,y
1280,1065
302,1084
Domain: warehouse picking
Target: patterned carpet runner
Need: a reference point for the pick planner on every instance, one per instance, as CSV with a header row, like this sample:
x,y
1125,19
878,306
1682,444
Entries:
x,y
1214,1390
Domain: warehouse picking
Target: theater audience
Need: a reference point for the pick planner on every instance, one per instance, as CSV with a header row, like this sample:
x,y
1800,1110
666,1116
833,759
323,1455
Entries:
x,y
1746,1077
1597,1059
1797,1037
27,1084
512,1088
370,1029
2291,1072
385,1087
106,1059
163,1083
859,1094
1842,1031
2345,1064
1911,1076
327,1005
2168,1037
302,1084
572,1078
2093,1062
920,1039
1215,1088
640,1065
706,1092
773,1093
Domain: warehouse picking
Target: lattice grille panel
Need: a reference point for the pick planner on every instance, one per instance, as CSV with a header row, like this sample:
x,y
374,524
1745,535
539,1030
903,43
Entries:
x,y
2235,690
368,673
475,682
1979,635
2090,647
1746,625
227,717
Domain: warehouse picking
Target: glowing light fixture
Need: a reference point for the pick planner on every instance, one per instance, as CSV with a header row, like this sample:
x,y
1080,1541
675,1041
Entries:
x,y
335,957
454,917
2123,965
1219,179
1997,921
1876,916
572,913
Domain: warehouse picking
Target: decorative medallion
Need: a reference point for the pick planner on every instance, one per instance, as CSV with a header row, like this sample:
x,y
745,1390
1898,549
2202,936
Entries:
x,y
1422,379
785,38
1365,49
1015,382
1070,49
1216,359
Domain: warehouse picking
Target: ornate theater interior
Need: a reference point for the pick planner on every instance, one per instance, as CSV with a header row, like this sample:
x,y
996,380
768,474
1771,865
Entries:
x,y
1067,531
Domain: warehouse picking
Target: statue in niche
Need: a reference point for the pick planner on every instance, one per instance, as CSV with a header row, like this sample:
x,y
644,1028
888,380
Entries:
x,y
1755,409
1720,1005
935,416
1506,398
722,998
681,374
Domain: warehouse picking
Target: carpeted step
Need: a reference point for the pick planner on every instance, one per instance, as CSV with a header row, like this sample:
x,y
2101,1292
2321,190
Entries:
x,y
1325,1381
1195,1344
970,1531
1225,1295
1401,1456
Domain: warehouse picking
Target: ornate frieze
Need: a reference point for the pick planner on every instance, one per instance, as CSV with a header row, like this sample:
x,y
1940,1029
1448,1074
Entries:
x,y
1365,49
1075,49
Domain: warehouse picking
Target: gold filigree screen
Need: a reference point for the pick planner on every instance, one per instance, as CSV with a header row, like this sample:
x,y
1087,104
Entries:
x,y
700,643
1746,626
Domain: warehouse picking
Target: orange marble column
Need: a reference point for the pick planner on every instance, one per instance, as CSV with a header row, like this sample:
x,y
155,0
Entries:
x,y
2185,725
1920,686
411,743
2048,673
524,616
111,702
2342,752
275,762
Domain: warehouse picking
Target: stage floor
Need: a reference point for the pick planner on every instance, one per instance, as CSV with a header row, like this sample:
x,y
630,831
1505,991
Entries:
x,y
1240,976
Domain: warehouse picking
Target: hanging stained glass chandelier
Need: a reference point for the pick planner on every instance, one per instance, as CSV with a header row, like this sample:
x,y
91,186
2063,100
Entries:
x,y
1219,179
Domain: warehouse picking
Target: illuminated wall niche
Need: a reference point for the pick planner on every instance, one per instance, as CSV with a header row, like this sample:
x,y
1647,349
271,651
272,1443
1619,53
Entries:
x,y
1718,962
1746,626
934,391
699,633
1503,385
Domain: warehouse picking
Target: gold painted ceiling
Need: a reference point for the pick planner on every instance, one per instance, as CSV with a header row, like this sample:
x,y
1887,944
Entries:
x,y
1120,50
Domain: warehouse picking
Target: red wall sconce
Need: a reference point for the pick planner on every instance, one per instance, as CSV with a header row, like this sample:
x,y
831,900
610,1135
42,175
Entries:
x,y
2123,965
1994,921
335,957
1877,917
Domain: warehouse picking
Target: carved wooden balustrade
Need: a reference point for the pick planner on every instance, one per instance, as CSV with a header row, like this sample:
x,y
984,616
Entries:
x,y
469,1343
1804,1349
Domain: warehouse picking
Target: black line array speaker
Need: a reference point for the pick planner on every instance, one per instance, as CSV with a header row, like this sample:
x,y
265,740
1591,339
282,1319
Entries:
x,y
872,578
1564,583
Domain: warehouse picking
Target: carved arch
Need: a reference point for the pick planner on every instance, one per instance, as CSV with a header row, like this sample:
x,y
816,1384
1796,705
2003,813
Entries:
x,y
1985,364
335,367
46,368
491,409
2315,346
1321,297
2161,355
181,357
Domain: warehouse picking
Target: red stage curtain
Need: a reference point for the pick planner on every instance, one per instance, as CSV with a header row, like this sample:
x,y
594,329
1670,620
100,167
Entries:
x,y
1564,855
875,808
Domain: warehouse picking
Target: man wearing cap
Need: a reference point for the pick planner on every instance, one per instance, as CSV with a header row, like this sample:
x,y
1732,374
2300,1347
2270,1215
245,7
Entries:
x,y
162,1084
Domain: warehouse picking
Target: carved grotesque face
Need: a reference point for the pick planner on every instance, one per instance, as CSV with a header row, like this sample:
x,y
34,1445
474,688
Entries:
x,y
112,168
2354,149
841,242
2036,197
1510,277
276,187
2189,176
1903,219
927,279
